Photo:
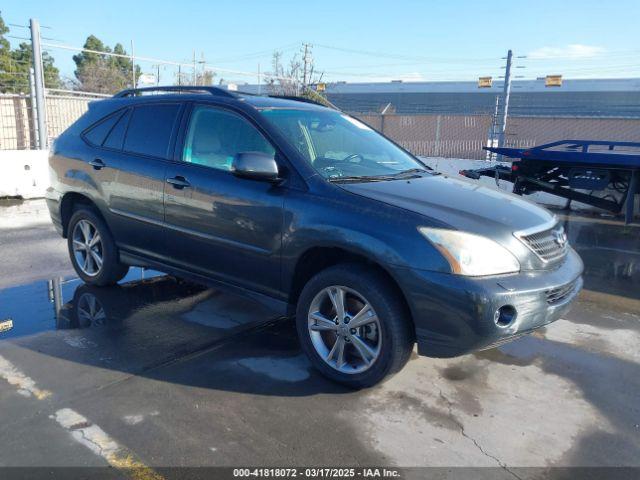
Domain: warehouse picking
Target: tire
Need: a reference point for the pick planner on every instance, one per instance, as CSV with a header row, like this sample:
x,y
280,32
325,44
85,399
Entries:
x,y
109,270
390,338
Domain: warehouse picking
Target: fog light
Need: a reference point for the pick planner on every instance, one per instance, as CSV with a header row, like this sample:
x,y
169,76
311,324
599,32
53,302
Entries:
x,y
505,316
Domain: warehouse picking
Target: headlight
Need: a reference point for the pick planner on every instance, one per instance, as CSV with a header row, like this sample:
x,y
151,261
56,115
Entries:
x,y
470,254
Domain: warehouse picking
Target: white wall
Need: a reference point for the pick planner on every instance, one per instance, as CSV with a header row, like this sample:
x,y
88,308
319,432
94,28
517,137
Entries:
x,y
24,173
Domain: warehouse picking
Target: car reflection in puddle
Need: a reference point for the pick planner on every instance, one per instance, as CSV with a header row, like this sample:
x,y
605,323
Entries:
x,y
148,319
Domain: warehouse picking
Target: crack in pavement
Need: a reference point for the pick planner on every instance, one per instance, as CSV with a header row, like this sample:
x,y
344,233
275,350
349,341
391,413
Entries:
x,y
475,442
102,444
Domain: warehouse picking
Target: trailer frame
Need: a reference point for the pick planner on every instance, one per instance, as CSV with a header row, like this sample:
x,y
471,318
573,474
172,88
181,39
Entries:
x,y
568,167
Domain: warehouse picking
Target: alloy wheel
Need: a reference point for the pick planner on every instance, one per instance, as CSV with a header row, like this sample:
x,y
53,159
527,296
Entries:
x,y
344,329
87,248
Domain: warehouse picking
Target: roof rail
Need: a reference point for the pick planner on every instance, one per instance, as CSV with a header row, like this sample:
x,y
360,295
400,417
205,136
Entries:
x,y
130,92
299,99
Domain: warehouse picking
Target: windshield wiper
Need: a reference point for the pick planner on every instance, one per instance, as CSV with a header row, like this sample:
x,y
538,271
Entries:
x,y
412,172
362,178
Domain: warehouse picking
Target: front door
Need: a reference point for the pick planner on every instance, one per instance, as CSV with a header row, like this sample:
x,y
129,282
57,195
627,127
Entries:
x,y
220,225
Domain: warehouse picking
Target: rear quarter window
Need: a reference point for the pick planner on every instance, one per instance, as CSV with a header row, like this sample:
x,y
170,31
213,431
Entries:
x,y
115,139
97,133
149,130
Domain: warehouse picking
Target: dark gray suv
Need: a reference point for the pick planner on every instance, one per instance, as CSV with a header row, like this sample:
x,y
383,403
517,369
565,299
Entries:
x,y
313,213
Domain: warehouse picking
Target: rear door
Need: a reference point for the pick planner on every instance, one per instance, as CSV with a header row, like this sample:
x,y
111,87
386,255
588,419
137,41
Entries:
x,y
220,225
134,156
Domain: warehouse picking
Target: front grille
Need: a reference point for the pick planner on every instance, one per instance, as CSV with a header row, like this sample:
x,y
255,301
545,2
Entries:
x,y
559,294
550,245
504,340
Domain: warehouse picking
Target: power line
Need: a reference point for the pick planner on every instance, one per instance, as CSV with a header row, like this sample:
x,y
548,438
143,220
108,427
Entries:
x,y
156,60
258,54
401,56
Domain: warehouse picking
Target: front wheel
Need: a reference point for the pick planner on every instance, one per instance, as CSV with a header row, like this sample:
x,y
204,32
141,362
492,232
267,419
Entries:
x,y
353,325
93,252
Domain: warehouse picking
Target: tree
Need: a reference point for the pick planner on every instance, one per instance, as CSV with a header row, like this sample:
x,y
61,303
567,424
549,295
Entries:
x,y
23,60
289,81
283,81
103,73
15,66
202,77
5,59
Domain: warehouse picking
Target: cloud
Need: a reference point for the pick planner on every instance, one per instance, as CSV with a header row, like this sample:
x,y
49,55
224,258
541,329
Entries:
x,y
573,51
410,77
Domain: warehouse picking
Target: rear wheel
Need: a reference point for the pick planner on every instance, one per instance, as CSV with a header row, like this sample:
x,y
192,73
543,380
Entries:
x,y
353,325
93,252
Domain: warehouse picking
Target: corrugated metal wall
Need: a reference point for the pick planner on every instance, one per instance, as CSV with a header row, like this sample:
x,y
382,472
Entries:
x,y
554,103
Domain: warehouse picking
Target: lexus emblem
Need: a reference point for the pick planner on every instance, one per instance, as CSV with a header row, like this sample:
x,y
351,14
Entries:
x,y
560,237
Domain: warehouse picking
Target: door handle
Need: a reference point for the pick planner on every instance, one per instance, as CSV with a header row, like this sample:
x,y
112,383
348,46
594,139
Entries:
x,y
97,164
178,182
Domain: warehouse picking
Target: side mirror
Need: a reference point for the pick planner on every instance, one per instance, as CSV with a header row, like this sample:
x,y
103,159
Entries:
x,y
255,166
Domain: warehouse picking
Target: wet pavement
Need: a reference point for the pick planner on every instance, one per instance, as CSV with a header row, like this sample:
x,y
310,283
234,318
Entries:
x,y
157,372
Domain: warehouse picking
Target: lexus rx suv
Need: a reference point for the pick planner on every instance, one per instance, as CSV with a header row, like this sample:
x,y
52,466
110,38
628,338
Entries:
x,y
313,213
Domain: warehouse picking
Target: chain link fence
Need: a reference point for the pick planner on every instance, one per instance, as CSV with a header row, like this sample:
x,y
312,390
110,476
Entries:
x,y
463,136
449,136
452,136
17,116
529,131
17,131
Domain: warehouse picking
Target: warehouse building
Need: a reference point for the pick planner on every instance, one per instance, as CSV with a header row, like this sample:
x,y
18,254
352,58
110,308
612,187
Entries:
x,y
619,98
615,98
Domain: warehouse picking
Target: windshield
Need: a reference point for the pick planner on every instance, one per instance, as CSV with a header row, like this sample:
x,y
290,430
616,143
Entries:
x,y
340,147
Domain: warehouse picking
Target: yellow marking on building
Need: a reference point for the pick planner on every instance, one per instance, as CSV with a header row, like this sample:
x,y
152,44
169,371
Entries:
x,y
485,82
25,385
553,81
6,325
100,443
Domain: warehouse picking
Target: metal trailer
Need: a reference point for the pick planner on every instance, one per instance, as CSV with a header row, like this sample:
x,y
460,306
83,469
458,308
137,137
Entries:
x,y
573,169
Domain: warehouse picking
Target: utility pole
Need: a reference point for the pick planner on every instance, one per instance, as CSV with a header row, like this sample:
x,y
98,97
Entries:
x,y
195,73
202,62
34,110
306,58
506,92
133,67
38,73
259,80
493,132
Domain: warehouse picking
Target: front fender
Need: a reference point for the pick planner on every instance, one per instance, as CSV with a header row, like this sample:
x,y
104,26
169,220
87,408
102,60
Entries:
x,y
384,234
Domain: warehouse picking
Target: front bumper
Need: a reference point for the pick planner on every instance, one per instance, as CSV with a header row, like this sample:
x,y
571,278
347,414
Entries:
x,y
454,315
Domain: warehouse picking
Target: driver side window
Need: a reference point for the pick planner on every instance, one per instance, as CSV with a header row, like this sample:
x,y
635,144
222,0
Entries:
x,y
216,136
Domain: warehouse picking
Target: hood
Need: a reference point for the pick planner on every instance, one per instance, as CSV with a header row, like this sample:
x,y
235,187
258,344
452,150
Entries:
x,y
462,204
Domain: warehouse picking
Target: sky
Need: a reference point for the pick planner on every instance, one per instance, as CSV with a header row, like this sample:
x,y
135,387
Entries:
x,y
354,41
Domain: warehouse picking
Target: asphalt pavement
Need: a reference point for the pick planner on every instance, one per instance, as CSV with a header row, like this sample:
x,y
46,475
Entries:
x,y
156,375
